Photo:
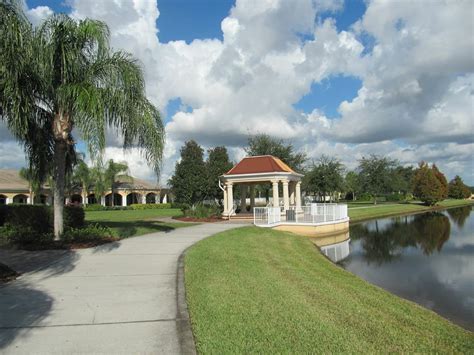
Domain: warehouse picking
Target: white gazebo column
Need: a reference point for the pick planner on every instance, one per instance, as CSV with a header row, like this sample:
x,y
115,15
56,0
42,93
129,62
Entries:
x,y
286,195
298,195
144,198
226,204
230,198
102,200
252,197
243,197
292,193
276,199
124,200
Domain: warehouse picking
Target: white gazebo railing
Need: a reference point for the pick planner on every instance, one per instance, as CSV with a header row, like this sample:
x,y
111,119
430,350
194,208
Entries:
x,y
313,214
265,216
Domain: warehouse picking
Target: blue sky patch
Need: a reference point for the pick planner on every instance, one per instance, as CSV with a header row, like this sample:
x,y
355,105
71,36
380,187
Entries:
x,y
328,94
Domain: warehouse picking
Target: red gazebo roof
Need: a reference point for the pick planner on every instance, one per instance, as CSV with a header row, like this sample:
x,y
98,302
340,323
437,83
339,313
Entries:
x,y
260,164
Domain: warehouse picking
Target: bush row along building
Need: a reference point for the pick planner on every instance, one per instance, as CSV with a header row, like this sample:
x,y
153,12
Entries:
x,y
14,189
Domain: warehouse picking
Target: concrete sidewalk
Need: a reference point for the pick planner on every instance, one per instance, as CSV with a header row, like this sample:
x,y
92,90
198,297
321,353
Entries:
x,y
118,298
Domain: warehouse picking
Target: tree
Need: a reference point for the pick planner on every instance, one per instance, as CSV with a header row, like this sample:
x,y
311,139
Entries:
x,y
100,185
457,188
325,178
33,184
114,172
82,177
426,185
352,184
189,180
62,77
263,144
217,164
443,181
375,174
402,179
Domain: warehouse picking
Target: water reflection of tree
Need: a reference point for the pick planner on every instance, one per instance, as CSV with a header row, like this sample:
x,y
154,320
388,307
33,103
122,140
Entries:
x,y
459,215
427,231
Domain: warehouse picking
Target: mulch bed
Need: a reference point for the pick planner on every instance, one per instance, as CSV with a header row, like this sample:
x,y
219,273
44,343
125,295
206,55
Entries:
x,y
193,219
7,274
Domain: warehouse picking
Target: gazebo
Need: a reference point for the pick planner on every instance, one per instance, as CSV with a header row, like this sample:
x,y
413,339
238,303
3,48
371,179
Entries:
x,y
251,171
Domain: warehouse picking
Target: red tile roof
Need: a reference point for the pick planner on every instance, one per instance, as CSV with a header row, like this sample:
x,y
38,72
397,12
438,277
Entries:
x,y
260,164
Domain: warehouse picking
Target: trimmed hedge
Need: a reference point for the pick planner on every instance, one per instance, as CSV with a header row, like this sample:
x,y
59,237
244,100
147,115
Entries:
x,y
150,206
34,223
87,234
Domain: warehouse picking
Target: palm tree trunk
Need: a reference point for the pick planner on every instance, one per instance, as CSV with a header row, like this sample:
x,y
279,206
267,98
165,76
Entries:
x,y
58,193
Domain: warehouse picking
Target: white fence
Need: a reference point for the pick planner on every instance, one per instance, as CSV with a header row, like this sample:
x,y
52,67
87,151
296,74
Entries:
x,y
315,213
266,215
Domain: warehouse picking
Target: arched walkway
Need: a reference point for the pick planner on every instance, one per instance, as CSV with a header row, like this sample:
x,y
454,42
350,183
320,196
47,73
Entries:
x,y
3,200
21,198
117,200
91,199
151,198
76,198
134,198
41,199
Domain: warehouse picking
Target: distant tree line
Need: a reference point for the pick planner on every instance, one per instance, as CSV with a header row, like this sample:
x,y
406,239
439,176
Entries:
x,y
326,179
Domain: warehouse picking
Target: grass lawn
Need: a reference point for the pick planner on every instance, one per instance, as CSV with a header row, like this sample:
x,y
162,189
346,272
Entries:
x,y
374,211
255,290
128,223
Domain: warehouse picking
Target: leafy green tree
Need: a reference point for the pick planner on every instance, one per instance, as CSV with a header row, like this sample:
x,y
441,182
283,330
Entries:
x,y
375,174
325,178
426,185
352,184
113,173
62,77
189,180
217,164
457,188
263,144
402,179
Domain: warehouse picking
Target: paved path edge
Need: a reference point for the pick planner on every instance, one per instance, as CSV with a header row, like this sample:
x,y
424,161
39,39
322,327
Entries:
x,y
183,321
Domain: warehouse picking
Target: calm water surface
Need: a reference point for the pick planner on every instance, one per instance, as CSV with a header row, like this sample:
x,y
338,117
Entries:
x,y
427,258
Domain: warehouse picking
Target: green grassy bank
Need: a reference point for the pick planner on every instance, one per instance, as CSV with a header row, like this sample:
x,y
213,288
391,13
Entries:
x,y
128,223
365,211
253,290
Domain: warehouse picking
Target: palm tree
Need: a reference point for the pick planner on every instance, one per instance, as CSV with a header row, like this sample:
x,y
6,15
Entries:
x,y
82,177
33,184
113,173
100,186
62,76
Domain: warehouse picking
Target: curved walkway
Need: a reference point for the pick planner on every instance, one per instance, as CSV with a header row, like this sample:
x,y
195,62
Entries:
x,y
118,298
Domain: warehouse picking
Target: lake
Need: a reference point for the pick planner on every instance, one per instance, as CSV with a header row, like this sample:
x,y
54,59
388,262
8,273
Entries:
x,y
427,258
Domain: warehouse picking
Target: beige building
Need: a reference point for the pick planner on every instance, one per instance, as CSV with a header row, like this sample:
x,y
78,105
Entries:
x,y
14,189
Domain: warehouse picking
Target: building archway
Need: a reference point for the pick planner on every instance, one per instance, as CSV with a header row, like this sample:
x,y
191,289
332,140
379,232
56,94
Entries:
x,y
3,200
20,198
41,199
76,198
117,200
91,199
134,198
151,198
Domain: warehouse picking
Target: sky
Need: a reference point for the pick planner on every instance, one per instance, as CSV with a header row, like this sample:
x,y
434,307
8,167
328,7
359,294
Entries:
x,y
341,78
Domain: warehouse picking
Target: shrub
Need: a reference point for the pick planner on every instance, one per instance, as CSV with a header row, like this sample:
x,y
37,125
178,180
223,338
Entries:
x,y
203,211
96,207
180,205
18,234
150,206
35,217
3,214
395,197
90,233
73,217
